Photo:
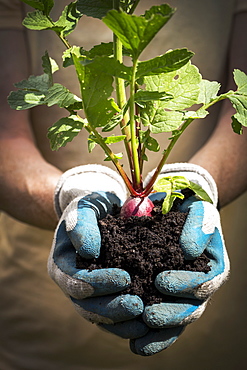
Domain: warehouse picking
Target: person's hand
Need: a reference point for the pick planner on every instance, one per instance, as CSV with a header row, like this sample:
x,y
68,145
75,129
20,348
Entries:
x,y
188,292
82,197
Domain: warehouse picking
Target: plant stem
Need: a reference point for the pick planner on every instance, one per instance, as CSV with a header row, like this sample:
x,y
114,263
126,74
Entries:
x,y
112,156
167,152
136,175
121,100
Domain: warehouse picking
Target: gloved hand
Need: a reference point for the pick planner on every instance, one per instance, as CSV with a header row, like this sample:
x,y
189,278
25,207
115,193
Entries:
x,y
79,204
191,290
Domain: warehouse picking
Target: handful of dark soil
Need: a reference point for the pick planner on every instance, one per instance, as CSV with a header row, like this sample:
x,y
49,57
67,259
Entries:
x,y
144,246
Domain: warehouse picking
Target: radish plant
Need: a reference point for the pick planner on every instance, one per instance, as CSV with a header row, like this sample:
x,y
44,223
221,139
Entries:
x,y
152,96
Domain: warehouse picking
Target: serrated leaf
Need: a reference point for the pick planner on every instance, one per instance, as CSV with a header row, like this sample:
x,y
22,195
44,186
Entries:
x,y
30,92
69,19
168,62
158,120
94,8
184,85
136,32
60,95
35,84
208,91
37,20
239,102
240,79
64,131
22,99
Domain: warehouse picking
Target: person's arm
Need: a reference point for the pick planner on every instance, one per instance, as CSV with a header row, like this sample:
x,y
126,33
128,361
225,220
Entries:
x,y
225,153
27,181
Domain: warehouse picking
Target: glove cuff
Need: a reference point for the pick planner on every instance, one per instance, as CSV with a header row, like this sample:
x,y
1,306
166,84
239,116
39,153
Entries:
x,y
83,180
192,172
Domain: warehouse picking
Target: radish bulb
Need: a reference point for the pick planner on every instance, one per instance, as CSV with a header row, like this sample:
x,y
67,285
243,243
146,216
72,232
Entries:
x,y
136,206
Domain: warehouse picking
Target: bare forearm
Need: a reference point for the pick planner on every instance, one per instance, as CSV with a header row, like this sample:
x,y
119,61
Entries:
x,y
27,181
27,184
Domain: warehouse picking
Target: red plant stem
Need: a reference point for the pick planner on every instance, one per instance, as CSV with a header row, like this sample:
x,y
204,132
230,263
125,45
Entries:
x,y
173,141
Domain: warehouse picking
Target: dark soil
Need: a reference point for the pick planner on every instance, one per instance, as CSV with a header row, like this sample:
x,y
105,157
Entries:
x,y
144,246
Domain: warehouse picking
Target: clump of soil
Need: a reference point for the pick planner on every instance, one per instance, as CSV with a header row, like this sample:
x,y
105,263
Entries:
x,y
144,246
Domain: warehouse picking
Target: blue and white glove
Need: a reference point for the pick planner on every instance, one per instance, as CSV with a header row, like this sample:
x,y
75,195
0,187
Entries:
x,y
83,195
191,290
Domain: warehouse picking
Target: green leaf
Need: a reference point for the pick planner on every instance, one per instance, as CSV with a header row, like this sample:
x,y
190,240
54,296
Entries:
x,y
208,91
69,19
49,67
37,21
172,185
184,85
236,126
30,94
168,62
199,192
143,95
114,139
200,113
60,95
105,48
64,131
67,56
94,8
96,88
91,143
239,102
149,142
21,99
44,5
136,32
240,79
115,121
112,67
159,120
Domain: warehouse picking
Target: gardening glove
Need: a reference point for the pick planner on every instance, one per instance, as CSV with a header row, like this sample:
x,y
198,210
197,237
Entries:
x,y
191,290
83,195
